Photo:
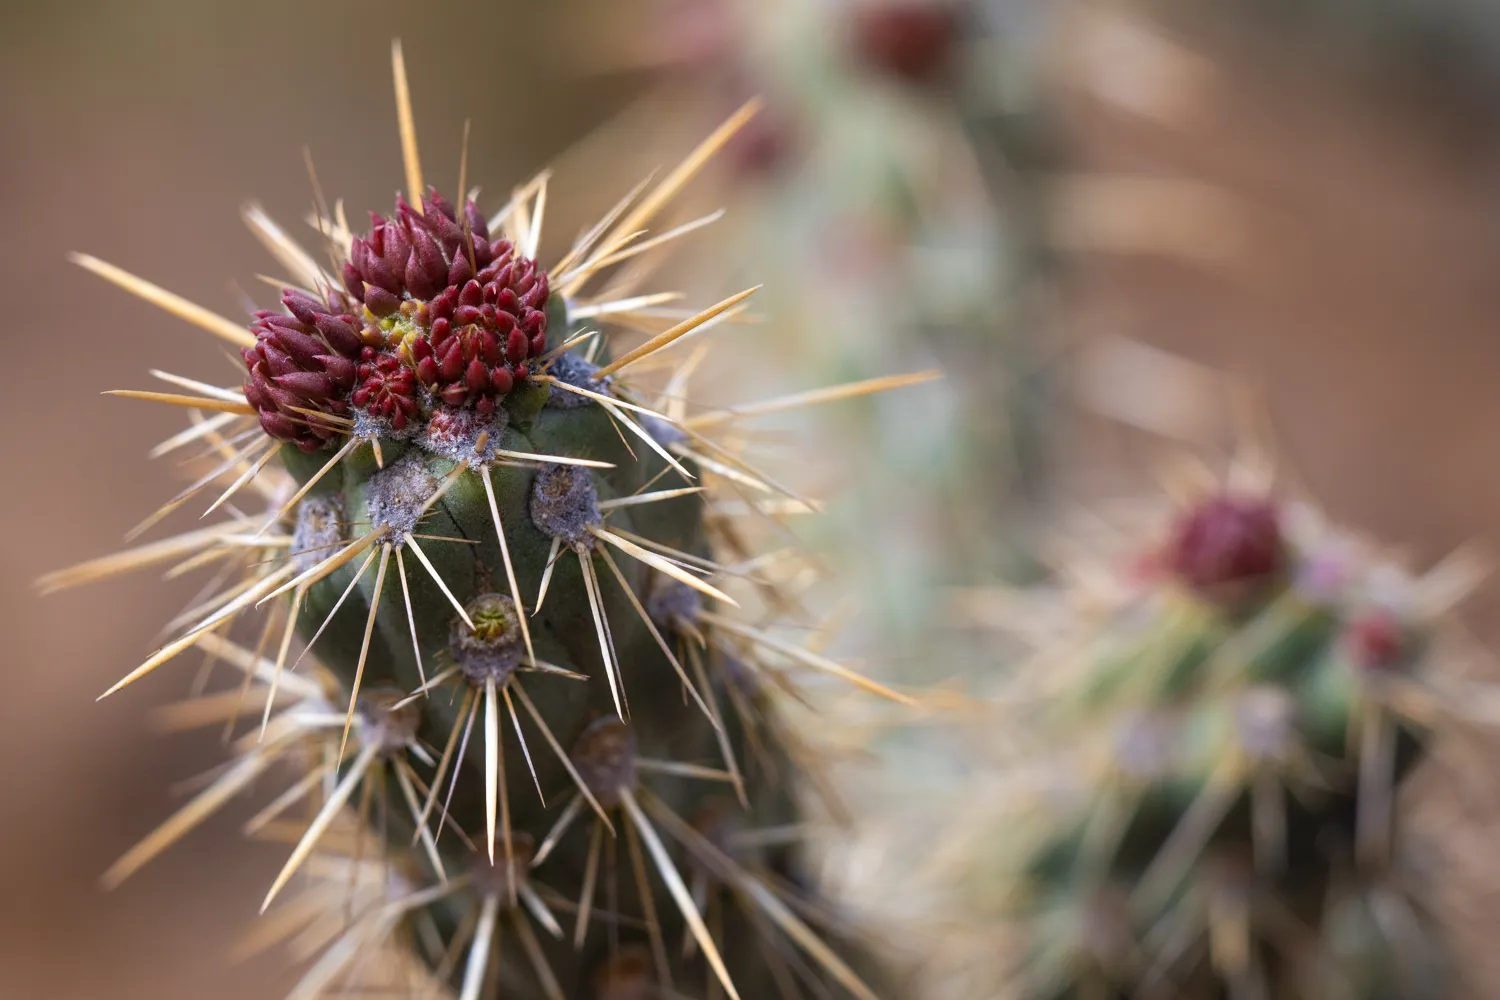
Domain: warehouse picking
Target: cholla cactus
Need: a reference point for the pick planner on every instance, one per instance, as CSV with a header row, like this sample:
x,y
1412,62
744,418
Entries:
x,y
898,230
1209,754
500,550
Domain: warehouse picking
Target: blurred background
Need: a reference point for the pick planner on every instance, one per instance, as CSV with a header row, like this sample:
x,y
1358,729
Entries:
x,y
1066,206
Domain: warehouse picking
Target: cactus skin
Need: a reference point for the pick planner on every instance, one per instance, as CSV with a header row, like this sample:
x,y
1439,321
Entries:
x,y
1229,748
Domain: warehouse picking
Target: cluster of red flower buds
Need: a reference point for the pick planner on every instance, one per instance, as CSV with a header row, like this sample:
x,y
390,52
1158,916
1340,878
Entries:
x,y
301,367
1226,547
480,308
448,311
910,39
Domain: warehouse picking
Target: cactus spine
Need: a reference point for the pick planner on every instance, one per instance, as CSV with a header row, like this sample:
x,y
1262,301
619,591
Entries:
x,y
499,550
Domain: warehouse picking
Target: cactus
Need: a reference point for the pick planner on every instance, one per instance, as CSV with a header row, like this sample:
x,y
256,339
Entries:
x,y
473,511
1210,766
897,233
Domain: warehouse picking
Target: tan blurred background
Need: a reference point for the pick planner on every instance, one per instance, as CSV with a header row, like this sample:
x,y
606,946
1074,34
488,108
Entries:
x,y
1344,255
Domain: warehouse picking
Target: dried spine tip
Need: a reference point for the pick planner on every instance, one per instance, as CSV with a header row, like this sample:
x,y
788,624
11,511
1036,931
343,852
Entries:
x,y
565,505
492,649
605,759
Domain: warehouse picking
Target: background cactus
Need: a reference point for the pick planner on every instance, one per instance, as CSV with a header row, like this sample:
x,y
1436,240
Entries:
x,y
1193,784
895,232
477,512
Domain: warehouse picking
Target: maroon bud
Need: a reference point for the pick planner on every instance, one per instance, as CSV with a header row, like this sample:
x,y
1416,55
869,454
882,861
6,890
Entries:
x,y
501,381
516,346
427,371
476,377
380,302
427,259
277,322
340,369
454,394
460,270
397,249
478,228
466,315
277,362
481,251
353,282
489,347
309,385
421,350
303,348
341,333
472,294
279,426
408,215
301,305
374,268
1227,548
285,399
451,364
538,344
256,396
435,202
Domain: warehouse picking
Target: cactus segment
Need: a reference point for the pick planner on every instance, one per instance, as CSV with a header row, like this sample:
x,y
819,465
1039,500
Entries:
x,y
1223,764
475,514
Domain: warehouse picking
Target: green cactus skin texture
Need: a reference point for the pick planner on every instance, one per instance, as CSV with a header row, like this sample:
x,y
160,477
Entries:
x,y
538,743
1219,773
